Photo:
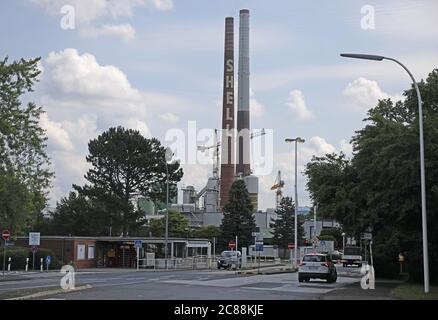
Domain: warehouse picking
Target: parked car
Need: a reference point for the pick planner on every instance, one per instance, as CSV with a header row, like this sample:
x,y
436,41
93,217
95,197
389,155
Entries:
x,y
229,259
317,266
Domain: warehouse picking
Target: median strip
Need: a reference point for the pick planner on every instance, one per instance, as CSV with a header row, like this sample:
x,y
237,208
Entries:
x,y
51,292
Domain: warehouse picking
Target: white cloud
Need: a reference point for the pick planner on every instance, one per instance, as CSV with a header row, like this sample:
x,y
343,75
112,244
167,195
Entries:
x,y
163,5
68,74
88,13
58,137
135,124
170,117
257,110
298,105
90,10
346,148
365,93
123,31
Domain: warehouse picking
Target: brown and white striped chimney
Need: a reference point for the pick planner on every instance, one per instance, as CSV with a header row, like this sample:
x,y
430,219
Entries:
x,y
228,121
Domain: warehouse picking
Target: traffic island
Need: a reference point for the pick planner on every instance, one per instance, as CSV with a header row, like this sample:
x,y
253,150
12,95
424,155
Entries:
x,y
38,293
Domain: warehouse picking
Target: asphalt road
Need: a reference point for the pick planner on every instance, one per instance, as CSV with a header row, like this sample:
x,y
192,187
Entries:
x,y
180,285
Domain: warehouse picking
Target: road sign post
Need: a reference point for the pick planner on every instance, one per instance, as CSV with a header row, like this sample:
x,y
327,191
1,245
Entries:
x,y
34,250
48,261
5,235
138,244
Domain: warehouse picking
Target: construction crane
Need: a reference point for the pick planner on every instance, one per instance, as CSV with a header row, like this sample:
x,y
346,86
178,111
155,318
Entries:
x,y
278,185
216,146
258,134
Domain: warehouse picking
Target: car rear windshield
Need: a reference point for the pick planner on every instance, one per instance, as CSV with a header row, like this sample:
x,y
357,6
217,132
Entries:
x,y
315,258
355,251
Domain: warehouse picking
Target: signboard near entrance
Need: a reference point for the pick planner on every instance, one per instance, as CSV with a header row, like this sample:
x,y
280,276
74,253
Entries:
x,y
34,238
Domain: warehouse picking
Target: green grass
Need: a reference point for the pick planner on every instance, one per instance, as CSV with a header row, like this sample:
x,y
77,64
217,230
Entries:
x,y
414,292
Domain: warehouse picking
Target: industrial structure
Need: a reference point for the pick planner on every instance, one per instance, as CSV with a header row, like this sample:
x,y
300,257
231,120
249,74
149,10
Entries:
x,y
232,155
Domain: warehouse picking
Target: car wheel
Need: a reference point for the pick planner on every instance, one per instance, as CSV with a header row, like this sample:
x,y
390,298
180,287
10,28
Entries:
x,y
344,265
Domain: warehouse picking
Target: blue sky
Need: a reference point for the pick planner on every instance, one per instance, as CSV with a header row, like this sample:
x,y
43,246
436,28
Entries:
x,y
154,65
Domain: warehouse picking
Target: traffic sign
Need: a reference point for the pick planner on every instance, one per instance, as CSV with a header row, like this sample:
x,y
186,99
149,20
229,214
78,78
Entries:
x,y
259,246
34,249
48,260
259,238
34,238
137,244
9,243
366,236
290,246
232,244
5,235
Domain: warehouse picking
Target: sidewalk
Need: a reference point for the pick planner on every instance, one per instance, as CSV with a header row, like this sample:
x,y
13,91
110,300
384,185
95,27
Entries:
x,y
355,292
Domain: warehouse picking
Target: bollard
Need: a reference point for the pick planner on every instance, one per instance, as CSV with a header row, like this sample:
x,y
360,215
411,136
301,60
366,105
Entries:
x,y
9,264
41,264
27,264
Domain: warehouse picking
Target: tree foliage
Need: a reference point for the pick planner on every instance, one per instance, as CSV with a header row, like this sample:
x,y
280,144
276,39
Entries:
x,y
24,164
238,217
207,232
284,226
379,188
178,225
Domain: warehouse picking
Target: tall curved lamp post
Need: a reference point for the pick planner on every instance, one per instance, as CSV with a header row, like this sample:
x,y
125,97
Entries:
x,y
422,169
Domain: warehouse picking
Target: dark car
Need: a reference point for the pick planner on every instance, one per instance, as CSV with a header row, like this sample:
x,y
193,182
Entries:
x,y
229,259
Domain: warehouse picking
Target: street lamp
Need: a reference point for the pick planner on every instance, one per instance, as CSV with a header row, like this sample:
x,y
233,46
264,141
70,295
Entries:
x,y
422,170
168,157
296,140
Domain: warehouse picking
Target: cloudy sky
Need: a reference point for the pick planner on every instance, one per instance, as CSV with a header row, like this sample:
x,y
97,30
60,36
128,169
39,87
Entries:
x,y
156,65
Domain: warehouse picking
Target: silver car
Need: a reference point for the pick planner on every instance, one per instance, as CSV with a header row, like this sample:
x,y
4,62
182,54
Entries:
x,y
317,265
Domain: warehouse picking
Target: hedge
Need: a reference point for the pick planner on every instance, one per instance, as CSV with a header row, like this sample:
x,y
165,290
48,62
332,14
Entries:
x,y
18,257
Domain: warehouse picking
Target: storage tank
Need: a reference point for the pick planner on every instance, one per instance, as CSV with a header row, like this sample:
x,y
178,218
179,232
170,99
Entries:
x,y
189,195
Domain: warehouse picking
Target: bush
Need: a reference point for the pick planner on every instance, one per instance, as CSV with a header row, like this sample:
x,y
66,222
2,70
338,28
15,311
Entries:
x,y
18,257
43,253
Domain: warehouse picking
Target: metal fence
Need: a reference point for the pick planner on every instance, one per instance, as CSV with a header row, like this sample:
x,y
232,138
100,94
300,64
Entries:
x,y
195,263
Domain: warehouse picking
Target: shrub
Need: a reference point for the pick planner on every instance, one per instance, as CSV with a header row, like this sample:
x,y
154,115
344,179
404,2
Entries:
x,y
43,253
18,257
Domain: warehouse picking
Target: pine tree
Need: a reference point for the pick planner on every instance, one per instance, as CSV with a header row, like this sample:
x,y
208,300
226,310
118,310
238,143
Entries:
x,y
238,216
284,225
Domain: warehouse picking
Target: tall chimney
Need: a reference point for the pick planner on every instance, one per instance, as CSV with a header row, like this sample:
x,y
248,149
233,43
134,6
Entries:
x,y
243,144
227,141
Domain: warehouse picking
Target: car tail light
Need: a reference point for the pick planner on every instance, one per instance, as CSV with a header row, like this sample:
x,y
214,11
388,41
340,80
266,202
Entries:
x,y
325,264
